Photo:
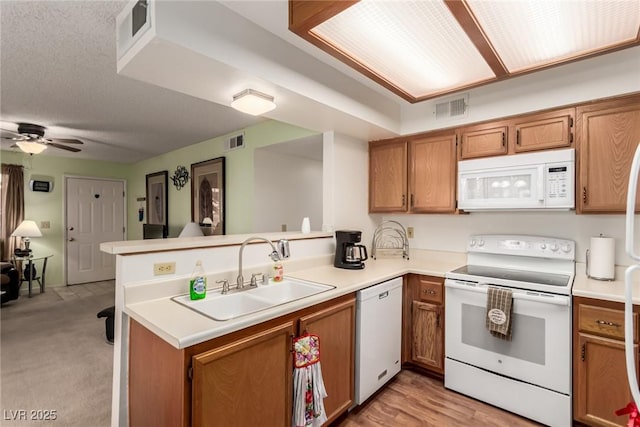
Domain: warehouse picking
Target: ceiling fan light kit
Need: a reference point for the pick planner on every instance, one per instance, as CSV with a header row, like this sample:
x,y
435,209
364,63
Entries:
x,y
252,102
31,147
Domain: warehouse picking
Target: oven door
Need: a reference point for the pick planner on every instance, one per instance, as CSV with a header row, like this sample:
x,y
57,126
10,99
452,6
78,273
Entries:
x,y
540,349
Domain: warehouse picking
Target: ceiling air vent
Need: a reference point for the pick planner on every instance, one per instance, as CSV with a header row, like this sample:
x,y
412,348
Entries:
x,y
452,108
235,142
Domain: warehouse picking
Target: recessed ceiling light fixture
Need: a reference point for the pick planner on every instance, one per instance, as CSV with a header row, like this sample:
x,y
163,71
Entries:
x,y
253,102
31,147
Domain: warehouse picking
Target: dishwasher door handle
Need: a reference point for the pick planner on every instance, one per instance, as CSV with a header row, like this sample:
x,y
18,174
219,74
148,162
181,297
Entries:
x,y
383,295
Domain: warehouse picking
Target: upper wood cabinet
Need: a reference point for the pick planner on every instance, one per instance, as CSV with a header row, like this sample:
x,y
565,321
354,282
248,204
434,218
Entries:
x,y
415,175
388,176
433,174
531,132
543,131
607,136
483,141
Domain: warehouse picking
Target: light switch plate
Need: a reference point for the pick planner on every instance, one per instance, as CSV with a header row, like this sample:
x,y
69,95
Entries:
x,y
161,268
410,232
45,225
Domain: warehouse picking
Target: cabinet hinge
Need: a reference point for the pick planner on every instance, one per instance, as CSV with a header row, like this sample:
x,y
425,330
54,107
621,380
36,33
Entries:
x,y
571,138
583,352
584,195
503,140
190,373
570,122
291,349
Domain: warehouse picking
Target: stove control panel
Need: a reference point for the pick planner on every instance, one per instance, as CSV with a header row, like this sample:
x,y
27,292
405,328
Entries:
x,y
532,246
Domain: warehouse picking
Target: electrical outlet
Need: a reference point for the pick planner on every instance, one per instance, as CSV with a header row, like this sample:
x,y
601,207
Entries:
x,y
410,232
283,227
160,268
45,225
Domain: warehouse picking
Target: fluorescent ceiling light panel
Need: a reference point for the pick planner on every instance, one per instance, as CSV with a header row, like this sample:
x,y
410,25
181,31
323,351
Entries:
x,y
31,147
417,46
253,102
531,33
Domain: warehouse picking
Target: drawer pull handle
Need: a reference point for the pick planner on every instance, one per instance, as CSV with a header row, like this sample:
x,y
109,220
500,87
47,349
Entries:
x,y
604,322
429,291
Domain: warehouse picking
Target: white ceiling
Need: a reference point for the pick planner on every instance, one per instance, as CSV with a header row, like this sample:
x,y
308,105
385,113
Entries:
x,y
58,69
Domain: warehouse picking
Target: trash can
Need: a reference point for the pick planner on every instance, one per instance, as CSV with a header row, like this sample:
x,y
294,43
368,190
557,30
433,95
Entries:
x,y
109,313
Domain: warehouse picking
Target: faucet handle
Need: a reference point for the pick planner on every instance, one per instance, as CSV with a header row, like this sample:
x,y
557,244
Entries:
x,y
254,279
225,285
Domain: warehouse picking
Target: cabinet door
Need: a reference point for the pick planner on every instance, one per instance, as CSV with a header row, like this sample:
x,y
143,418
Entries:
x,y
253,372
483,142
388,176
433,174
607,137
544,131
601,385
336,328
428,337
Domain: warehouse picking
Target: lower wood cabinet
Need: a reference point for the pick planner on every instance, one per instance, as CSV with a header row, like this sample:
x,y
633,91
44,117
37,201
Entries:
x,y
423,314
600,384
243,378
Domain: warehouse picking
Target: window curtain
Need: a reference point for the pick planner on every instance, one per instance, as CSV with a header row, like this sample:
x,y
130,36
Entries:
x,y
12,193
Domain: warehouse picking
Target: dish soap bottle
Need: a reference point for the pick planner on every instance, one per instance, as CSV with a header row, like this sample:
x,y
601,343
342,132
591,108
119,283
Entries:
x,y
278,272
198,282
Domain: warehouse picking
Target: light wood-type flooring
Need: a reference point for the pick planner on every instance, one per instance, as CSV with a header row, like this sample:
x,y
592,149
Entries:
x,y
412,399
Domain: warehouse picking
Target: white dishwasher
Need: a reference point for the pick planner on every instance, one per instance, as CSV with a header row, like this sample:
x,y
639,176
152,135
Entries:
x,y
378,336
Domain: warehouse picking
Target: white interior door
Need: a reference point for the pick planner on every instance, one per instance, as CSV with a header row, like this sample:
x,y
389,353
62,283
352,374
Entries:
x,y
94,214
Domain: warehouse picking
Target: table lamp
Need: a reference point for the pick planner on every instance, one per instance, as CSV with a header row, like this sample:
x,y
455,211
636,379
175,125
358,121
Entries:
x,y
25,230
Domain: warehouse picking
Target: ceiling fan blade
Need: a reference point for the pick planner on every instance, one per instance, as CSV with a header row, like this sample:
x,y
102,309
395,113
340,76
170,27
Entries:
x,y
65,141
64,147
7,134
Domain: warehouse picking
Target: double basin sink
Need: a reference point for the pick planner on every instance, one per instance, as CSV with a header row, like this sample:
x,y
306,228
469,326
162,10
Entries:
x,y
220,306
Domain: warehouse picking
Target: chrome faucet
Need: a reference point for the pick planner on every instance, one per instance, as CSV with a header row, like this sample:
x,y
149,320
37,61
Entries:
x,y
275,255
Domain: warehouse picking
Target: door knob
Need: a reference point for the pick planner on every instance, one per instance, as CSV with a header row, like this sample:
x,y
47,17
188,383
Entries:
x,y
71,239
71,228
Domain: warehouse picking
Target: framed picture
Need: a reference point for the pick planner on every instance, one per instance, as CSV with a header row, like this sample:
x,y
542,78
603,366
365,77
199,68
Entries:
x,y
157,206
208,195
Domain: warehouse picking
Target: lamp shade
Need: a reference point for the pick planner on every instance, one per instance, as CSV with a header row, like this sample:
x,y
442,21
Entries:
x,y
27,228
31,147
192,229
253,102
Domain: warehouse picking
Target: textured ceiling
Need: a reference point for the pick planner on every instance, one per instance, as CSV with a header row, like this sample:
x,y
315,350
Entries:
x,y
58,69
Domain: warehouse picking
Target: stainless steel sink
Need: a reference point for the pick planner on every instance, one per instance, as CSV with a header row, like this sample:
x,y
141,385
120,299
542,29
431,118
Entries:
x,y
235,304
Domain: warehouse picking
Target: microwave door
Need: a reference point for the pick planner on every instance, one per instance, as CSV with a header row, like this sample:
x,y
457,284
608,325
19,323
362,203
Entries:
x,y
507,188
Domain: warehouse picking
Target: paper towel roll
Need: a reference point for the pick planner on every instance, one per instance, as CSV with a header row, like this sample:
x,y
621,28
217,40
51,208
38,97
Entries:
x,y
601,258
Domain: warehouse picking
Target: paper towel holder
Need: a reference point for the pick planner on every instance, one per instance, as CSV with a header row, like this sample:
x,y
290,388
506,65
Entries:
x,y
587,256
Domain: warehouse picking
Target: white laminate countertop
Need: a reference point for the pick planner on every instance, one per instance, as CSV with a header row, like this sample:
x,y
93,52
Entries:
x,y
583,286
182,327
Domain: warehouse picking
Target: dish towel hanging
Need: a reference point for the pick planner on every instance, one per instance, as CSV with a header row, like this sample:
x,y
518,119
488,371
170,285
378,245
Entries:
x,y
308,386
499,312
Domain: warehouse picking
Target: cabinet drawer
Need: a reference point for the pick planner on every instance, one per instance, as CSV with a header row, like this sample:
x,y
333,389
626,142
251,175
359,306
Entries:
x,y
430,291
604,321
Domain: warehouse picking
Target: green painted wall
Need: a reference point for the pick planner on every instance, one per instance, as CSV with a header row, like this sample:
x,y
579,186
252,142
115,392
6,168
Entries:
x,y
49,206
239,186
239,177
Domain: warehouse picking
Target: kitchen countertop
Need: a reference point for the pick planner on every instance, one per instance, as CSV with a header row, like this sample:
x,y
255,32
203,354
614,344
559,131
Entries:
x,y
182,327
612,290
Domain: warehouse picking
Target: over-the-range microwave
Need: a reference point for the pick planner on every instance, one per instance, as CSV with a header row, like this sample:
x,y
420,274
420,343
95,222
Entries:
x,y
542,180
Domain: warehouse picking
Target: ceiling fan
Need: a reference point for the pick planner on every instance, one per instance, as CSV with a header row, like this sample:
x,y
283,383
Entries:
x,y
30,139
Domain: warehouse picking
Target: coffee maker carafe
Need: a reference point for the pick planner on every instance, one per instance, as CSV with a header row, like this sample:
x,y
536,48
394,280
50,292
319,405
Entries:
x,y
349,254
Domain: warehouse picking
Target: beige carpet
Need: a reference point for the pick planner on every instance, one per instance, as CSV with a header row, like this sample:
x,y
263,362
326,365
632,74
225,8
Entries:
x,y
54,357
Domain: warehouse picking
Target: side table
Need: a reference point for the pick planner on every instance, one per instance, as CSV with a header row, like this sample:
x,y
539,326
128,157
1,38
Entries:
x,y
30,262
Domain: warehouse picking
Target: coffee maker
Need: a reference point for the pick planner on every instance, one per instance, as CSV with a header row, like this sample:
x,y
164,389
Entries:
x,y
349,255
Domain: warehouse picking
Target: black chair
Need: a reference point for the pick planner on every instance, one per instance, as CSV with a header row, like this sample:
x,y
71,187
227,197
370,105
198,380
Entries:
x,y
9,282
109,313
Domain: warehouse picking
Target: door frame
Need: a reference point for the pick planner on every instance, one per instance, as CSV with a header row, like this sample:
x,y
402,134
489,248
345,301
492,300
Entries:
x,y
65,235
